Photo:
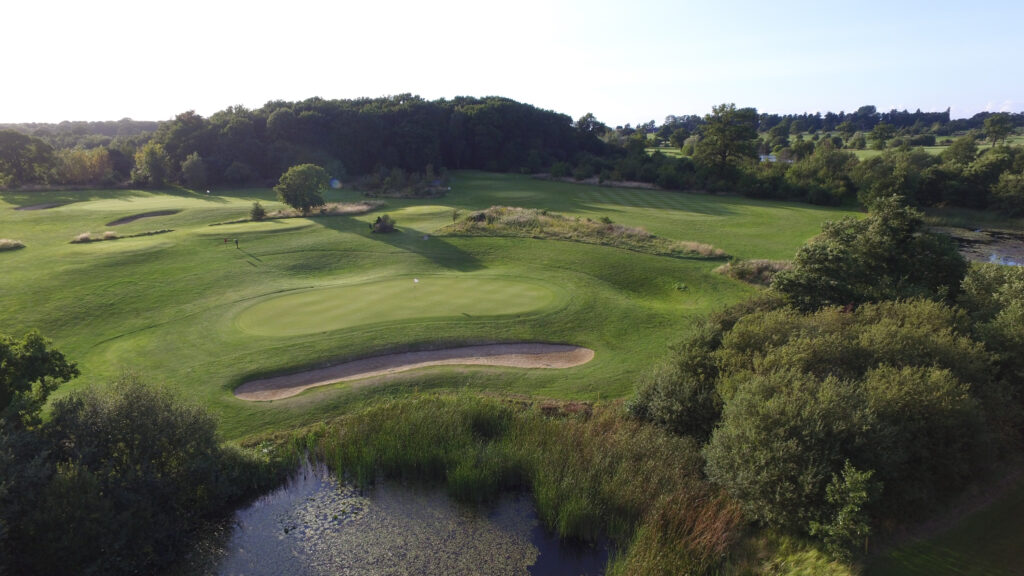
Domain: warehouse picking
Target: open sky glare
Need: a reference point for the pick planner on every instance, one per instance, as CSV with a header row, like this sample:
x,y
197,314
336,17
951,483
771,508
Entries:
x,y
627,62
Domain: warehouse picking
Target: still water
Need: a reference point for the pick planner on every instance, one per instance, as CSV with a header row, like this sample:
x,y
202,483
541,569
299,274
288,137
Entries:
x,y
314,526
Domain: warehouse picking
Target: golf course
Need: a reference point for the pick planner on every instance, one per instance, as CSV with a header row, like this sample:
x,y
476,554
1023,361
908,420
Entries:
x,y
181,289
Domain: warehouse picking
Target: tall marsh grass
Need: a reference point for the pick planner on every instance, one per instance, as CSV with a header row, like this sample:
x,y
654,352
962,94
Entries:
x,y
594,474
532,223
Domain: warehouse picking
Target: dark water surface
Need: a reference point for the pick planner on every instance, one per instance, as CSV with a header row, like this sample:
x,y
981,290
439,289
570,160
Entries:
x,y
314,526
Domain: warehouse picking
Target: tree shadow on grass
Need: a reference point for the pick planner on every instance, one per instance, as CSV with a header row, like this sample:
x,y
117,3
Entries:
x,y
437,250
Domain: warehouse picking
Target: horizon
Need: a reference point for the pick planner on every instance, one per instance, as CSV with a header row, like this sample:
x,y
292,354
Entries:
x,y
880,110
114,59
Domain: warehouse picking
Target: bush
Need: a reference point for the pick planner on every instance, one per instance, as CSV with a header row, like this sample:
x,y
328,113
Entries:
x,y
8,244
759,272
383,224
257,213
134,473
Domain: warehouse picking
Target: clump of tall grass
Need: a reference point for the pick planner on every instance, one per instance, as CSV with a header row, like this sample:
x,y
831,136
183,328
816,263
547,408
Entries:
x,y
533,223
329,209
759,272
593,472
8,244
85,237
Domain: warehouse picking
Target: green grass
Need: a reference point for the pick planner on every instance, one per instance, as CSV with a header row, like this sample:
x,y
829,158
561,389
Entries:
x,y
172,306
393,300
986,543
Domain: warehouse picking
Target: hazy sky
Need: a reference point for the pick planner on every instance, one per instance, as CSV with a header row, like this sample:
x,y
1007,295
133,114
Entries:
x,y
627,61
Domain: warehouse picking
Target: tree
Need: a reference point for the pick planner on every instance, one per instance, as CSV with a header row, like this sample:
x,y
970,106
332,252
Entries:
x,y
152,164
879,134
589,123
301,186
887,255
258,212
1008,194
29,370
134,474
193,171
998,127
678,137
23,159
727,138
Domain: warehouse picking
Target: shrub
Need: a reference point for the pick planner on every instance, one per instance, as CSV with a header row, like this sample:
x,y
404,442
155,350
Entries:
x,y
257,213
383,224
8,244
759,272
135,473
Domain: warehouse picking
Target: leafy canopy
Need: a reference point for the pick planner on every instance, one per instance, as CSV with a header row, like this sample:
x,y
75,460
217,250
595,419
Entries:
x,y
301,186
888,255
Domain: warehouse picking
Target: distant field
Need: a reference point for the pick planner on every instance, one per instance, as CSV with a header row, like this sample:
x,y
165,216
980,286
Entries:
x,y
190,310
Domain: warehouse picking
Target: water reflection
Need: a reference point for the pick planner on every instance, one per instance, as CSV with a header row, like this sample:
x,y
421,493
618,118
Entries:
x,y
1003,260
313,526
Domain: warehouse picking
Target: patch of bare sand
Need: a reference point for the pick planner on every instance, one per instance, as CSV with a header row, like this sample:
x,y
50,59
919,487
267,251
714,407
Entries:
x,y
514,355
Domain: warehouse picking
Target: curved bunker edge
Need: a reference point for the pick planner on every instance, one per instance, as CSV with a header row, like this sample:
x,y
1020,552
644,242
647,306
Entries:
x,y
518,355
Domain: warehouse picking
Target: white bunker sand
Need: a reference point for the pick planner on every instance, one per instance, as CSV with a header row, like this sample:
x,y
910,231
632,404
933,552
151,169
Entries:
x,y
514,355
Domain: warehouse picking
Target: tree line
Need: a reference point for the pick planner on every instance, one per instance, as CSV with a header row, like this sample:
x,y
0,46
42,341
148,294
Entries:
x,y
795,157
238,146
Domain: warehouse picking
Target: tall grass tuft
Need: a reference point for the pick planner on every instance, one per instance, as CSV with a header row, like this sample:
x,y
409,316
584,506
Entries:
x,y
758,272
532,223
594,473
8,244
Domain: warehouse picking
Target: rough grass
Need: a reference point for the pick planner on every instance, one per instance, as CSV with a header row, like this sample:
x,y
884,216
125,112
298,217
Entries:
x,y
593,473
986,543
8,244
86,237
539,223
329,209
759,272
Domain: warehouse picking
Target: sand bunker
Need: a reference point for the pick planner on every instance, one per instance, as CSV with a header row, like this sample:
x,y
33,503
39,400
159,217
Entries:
x,y
514,355
46,206
135,217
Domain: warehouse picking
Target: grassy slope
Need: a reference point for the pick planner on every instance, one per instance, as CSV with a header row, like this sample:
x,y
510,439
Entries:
x,y
987,543
166,305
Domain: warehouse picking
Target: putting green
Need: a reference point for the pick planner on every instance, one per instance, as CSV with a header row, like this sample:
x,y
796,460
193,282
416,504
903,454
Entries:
x,y
399,299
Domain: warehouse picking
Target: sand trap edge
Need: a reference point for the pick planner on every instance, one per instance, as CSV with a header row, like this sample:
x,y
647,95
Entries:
x,y
522,355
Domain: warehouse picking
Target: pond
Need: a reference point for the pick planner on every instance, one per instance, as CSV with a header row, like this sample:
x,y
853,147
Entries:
x,y
315,526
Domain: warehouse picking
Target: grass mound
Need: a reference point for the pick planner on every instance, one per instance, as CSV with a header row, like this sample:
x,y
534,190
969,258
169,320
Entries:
x,y
533,223
8,244
758,272
399,299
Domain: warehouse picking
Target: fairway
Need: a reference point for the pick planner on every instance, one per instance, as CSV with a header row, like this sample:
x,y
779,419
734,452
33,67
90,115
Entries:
x,y
461,297
186,310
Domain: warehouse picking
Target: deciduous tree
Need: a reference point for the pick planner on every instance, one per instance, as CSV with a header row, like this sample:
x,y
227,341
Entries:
x,y
301,186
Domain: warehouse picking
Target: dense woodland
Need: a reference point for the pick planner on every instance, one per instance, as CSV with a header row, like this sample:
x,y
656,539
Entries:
x,y
798,157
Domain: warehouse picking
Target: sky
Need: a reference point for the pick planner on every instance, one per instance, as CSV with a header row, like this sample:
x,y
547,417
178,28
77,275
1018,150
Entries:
x,y
628,61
